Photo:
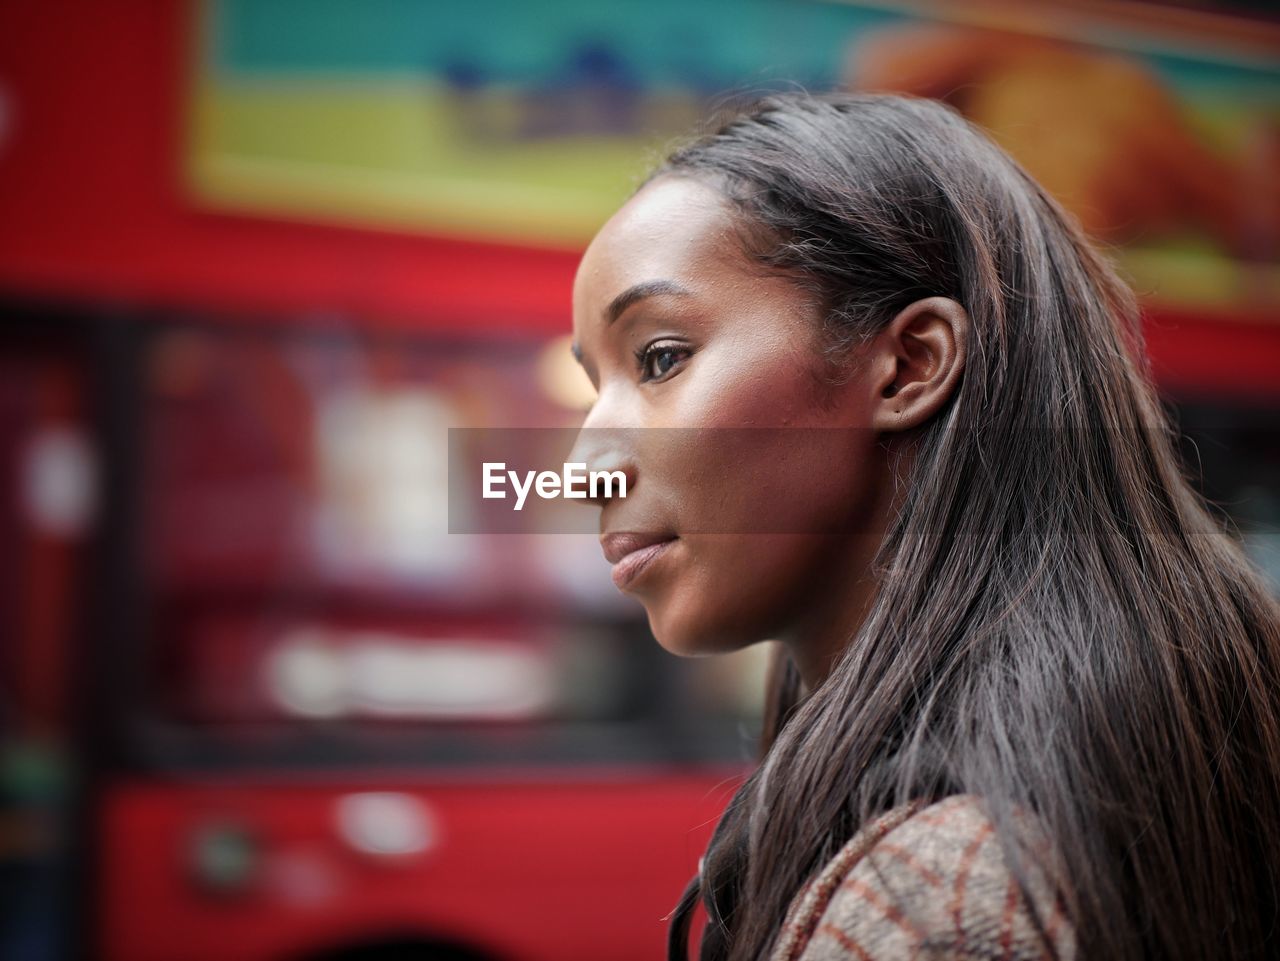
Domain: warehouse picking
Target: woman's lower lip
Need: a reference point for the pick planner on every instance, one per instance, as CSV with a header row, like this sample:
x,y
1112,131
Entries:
x,y
631,566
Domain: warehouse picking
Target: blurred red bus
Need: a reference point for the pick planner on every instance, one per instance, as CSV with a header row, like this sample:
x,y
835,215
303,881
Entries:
x,y
332,729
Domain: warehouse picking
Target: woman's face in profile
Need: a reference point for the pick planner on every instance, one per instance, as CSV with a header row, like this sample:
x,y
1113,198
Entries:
x,y
687,343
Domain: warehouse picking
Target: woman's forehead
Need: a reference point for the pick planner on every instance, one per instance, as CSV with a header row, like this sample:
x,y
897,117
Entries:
x,y
674,229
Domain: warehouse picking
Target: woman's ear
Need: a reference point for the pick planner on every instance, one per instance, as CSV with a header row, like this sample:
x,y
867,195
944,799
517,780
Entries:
x,y
917,361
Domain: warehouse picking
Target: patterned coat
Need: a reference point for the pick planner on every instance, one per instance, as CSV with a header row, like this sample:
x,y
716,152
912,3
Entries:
x,y
927,883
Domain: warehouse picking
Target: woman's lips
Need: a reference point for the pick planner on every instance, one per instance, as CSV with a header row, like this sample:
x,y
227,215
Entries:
x,y
632,553
631,566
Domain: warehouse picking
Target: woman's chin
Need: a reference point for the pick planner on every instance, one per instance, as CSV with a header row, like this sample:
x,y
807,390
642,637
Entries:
x,y
685,637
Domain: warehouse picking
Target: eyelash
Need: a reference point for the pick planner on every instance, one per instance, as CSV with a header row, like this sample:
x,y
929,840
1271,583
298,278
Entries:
x,y
654,349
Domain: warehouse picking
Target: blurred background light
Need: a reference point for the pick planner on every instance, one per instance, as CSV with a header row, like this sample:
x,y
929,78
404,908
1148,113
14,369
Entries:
x,y
314,673
562,377
386,823
60,481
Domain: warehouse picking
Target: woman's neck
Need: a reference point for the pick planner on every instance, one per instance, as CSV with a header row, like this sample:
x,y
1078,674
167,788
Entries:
x,y
823,630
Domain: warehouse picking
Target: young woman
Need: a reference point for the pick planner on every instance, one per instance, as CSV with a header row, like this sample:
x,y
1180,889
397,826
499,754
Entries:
x,y
1025,702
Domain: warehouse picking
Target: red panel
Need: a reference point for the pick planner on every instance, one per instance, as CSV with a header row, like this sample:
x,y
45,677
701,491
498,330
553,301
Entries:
x,y
527,871
1214,358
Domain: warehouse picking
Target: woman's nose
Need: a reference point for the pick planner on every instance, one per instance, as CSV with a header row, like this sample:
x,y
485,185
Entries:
x,y
605,448
602,451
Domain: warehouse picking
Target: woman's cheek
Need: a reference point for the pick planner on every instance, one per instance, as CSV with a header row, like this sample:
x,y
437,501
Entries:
x,y
729,592
735,382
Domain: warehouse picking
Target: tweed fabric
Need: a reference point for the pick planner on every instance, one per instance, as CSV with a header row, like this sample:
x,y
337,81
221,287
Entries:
x,y
928,883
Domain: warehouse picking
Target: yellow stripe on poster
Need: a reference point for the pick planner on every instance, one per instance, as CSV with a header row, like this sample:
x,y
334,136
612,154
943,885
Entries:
x,y
403,155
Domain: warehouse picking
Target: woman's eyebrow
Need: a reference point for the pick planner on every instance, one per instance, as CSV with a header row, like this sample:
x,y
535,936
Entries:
x,y
634,294
637,292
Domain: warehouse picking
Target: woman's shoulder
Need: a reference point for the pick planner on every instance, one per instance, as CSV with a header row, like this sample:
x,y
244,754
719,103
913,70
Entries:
x,y
930,882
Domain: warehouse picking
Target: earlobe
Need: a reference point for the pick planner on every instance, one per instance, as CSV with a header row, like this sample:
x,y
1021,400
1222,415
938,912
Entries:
x,y
922,354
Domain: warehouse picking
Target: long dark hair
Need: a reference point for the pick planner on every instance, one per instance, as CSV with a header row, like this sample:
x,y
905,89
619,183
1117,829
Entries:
x,y
1060,623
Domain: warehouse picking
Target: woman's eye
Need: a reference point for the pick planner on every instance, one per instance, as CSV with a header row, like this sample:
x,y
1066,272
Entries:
x,y
657,360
